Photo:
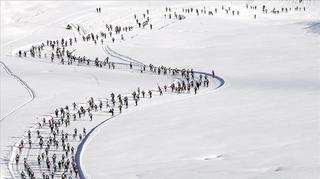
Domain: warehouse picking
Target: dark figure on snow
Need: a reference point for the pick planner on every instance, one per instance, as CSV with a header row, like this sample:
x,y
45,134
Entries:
x,y
150,93
90,115
136,101
111,111
120,108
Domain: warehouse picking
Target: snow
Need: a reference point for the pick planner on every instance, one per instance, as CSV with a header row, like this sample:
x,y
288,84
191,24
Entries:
x,y
262,123
17,96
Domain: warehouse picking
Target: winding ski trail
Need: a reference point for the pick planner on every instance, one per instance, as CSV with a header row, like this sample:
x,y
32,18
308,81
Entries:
x,y
107,49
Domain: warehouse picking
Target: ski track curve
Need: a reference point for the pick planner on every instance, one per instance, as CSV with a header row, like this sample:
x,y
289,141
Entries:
x,y
80,147
125,58
31,92
107,50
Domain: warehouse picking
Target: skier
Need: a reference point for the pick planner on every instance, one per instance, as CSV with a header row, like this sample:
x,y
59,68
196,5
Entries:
x,y
30,142
120,108
17,158
56,112
39,159
100,105
160,90
136,101
111,111
134,95
84,132
23,175
150,93
90,115
125,99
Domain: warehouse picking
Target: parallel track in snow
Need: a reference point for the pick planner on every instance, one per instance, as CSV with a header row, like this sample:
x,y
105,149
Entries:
x,y
125,58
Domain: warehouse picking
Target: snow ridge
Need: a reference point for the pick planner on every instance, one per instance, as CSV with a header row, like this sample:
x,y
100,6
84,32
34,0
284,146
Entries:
x,y
24,84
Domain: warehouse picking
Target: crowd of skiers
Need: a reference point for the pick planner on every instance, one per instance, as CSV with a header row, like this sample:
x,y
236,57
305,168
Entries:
x,y
62,163
144,21
65,163
60,54
170,13
58,141
55,49
64,56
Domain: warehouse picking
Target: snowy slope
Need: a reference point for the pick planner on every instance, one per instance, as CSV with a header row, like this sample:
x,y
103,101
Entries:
x,y
256,126
263,123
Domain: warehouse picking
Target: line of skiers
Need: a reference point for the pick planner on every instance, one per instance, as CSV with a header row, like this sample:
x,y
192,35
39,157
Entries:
x,y
144,21
205,11
118,29
275,10
65,55
168,14
67,165
228,10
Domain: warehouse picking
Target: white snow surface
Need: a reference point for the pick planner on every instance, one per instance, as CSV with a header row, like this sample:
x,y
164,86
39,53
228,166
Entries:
x,y
262,123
